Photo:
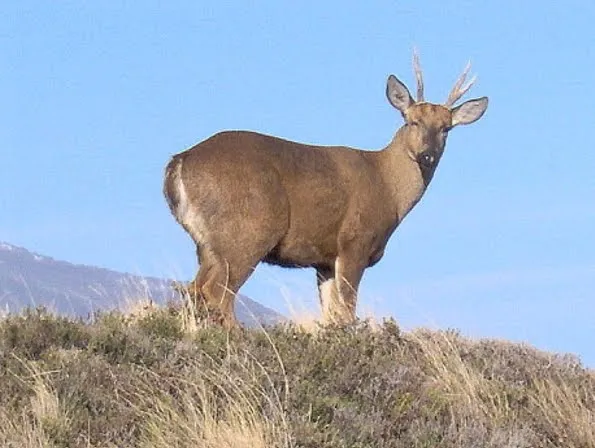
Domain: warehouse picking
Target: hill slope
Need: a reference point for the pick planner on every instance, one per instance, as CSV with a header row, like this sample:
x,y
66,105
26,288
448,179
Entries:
x,y
30,279
142,381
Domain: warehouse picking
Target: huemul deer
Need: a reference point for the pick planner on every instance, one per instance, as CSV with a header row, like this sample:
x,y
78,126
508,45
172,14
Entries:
x,y
246,197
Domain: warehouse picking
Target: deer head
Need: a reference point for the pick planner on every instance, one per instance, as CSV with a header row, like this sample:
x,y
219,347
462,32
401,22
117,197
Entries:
x,y
426,124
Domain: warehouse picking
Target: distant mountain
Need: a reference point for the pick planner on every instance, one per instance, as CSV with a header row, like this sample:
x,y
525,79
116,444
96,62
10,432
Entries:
x,y
30,279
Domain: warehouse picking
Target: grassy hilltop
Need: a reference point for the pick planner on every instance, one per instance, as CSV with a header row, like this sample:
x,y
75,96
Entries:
x,y
149,379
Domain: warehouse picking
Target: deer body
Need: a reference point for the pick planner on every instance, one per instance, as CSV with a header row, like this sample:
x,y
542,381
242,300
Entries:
x,y
246,197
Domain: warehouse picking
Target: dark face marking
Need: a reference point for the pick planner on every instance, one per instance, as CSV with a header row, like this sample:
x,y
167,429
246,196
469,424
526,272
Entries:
x,y
427,162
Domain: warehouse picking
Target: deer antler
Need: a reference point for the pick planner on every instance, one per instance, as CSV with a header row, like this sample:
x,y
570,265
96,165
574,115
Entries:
x,y
418,76
458,89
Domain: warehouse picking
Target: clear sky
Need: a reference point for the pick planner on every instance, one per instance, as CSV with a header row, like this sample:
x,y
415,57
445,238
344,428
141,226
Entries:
x,y
96,96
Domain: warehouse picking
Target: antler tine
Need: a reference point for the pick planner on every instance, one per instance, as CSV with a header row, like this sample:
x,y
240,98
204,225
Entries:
x,y
467,86
418,76
458,91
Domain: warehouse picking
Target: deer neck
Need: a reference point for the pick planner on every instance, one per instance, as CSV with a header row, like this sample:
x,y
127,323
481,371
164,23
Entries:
x,y
402,175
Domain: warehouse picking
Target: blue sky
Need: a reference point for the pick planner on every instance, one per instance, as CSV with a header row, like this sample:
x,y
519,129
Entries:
x,y
97,96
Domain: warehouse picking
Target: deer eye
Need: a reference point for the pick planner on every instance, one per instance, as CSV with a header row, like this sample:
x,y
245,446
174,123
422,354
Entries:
x,y
414,123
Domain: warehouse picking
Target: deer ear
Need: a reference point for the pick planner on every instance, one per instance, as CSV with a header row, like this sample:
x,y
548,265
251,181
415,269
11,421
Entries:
x,y
469,111
398,95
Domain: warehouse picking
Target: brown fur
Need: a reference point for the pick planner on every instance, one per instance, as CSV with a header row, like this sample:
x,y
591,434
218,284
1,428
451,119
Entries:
x,y
246,197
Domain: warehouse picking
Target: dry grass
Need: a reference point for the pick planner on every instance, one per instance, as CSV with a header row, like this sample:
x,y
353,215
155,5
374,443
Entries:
x,y
567,408
21,432
43,421
150,379
563,411
200,418
469,392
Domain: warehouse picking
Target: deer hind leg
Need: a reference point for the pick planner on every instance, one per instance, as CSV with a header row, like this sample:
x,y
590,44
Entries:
x,y
191,287
218,291
207,262
222,279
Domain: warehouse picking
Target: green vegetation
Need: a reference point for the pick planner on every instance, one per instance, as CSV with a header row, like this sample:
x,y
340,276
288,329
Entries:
x,y
149,379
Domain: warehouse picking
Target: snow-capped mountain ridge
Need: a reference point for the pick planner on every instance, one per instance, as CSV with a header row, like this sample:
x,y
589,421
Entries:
x,y
31,279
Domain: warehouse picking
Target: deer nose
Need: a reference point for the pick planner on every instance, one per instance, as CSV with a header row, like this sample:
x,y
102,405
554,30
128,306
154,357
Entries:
x,y
426,159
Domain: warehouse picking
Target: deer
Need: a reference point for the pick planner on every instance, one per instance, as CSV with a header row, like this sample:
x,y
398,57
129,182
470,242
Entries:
x,y
246,197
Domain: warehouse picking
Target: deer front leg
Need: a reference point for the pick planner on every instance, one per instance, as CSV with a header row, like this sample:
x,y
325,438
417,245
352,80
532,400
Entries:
x,y
348,274
338,290
326,291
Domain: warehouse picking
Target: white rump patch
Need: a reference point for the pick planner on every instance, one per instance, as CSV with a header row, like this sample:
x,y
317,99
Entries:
x,y
185,212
